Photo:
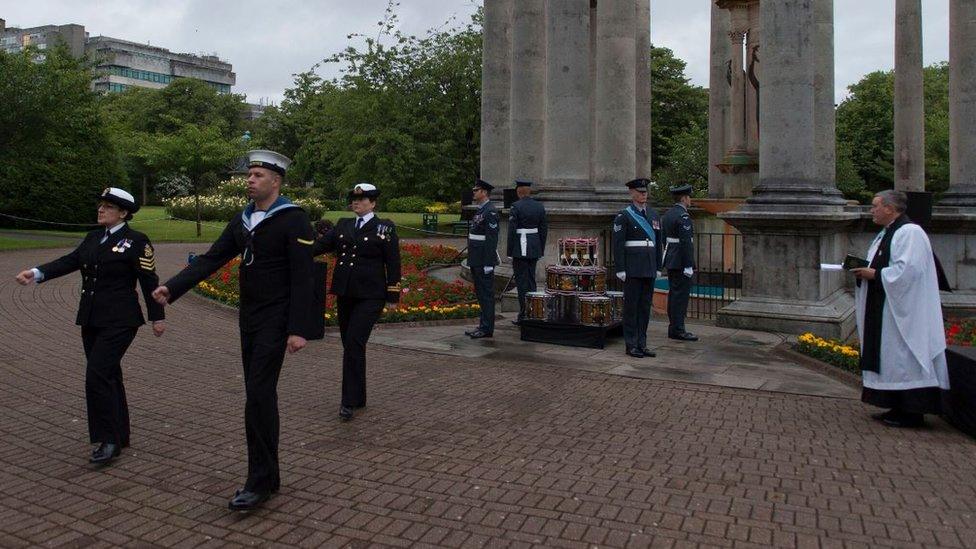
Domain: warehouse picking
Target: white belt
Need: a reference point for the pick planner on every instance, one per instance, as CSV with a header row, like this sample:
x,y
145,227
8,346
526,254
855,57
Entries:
x,y
672,240
523,239
478,237
639,243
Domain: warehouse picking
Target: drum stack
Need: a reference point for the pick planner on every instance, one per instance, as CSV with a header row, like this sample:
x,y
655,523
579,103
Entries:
x,y
576,289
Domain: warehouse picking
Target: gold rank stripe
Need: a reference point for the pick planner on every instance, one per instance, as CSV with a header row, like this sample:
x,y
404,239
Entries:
x,y
306,242
151,264
393,288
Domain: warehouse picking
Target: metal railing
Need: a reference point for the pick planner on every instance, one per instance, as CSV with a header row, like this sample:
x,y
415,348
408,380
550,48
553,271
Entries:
x,y
717,280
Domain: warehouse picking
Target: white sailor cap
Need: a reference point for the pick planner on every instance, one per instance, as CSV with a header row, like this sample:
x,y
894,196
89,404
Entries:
x,y
120,198
364,190
268,159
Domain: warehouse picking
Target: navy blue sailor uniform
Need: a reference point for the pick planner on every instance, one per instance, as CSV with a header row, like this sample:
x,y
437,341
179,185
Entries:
x,y
483,252
366,276
679,260
639,255
276,301
109,315
527,232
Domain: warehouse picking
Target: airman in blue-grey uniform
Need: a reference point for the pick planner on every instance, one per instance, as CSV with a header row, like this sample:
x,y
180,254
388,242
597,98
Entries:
x,y
483,257
637,258
679,260
527,230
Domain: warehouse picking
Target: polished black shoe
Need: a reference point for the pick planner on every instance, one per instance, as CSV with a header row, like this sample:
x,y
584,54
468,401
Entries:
x,y
901,419
104,453
478,334
345,413
471,331
684,336
517,321
648,352
635,352
245,500
881,416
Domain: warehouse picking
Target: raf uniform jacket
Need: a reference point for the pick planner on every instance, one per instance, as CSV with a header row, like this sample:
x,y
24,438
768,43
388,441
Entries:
x,y
109,273
637,261
483,237
679,239
527,213
367,261
275,271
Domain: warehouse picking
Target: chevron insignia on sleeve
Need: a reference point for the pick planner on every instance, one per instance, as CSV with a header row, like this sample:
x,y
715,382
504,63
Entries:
x,y
306,242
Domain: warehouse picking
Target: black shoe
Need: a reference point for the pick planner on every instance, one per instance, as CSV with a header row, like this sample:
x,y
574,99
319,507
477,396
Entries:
x,y
684,336
635,352
471,331
345,413
105,453
245,500
648,352
517,321
902,419
478,334
881,416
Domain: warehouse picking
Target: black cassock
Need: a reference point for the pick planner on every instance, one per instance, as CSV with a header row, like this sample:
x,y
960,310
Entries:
x,y
109,315
365,277
276,287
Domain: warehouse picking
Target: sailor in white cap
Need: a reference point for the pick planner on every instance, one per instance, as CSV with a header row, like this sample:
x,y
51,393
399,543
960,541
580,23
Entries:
x,y
366,277
111,259
274,238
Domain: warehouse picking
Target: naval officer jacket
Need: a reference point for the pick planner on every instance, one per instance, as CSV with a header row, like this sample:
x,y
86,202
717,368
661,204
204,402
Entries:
x,y
527,221
634,251
679,239
109,272
367,260
275,272
483,237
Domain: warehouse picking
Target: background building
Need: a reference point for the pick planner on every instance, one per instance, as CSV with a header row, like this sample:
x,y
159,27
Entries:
x,y
121,64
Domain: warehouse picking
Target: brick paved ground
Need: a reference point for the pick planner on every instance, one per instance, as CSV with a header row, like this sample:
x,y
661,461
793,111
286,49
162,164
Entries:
x,y
450,452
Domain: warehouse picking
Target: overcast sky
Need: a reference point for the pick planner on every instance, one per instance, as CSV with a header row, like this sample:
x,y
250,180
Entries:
x,y
268,41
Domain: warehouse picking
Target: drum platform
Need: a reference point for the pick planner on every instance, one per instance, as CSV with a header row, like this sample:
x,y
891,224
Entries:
x,y
572,335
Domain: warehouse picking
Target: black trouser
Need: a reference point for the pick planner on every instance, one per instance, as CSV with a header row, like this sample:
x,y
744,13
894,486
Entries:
x,y
356,320
484,288
262,352
638,293
524,280
679,290
108,412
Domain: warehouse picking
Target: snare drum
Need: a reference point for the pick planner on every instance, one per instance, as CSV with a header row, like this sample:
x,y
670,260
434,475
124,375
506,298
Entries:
x,y
616,305
565,308
537,305
594,310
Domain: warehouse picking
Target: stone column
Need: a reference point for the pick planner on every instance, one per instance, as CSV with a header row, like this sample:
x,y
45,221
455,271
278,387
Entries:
x,y
825,115
962,105
795,220
615,107
909,107
718,101
567,158
737,127
496,69
791,118
643,37
528,91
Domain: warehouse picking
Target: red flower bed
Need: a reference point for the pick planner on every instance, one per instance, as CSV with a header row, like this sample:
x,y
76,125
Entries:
x,y
961,332
423,297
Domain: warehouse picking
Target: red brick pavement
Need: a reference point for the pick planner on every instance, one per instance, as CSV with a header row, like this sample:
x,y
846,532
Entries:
x,y
455,453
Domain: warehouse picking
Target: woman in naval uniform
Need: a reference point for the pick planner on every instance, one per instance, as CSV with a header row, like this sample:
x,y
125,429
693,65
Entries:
x,y
111,259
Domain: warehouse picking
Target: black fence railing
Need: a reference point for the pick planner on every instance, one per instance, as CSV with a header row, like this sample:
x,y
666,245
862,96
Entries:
x,y
717,280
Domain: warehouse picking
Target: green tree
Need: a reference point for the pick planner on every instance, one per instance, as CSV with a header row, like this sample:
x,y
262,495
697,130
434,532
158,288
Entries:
x,y
55,152
865,128
199,153
677,108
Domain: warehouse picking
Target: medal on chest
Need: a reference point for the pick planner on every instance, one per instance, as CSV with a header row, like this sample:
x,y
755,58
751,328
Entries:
x,y
122,246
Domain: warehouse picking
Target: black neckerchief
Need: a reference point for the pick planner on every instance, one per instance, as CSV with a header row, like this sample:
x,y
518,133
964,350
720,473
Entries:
x,y
874,306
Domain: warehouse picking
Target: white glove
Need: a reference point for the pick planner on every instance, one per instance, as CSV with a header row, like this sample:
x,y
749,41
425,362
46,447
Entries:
x,y
622,275
689,272
488,270
657,274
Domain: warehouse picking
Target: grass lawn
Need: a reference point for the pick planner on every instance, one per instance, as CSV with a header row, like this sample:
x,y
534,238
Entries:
x,y
153,221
